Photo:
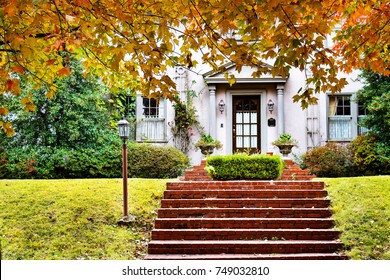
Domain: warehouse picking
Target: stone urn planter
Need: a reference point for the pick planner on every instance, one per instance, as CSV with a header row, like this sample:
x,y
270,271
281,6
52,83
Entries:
x,y
285,143
285,149
207,144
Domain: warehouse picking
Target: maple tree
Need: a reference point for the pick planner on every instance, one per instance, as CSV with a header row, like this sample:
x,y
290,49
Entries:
x,y
131,43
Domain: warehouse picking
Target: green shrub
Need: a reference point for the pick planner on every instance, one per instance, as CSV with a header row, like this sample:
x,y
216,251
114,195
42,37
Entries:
x,y
366,158
331,160
151,161
29,162
243,166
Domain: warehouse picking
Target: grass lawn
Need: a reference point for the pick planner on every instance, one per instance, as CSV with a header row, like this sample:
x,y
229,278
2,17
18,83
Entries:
x,y
76,219
361,207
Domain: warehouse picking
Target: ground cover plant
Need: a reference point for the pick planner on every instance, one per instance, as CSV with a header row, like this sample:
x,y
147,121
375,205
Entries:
x,y
361,208
75,219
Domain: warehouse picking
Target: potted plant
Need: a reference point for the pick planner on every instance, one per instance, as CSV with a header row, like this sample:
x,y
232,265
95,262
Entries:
x,y
207,144
285,143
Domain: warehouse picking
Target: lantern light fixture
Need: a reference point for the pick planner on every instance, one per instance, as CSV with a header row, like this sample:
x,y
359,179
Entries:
x,y
221,106
271,106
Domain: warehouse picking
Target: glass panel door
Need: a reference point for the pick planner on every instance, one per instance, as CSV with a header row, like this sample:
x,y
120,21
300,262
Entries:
x,y
246,124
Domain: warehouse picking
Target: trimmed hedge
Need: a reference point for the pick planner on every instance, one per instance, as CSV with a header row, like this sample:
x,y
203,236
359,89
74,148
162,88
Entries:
x,y
243,166
151,161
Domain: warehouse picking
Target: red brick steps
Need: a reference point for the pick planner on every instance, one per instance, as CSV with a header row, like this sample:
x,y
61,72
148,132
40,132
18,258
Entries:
x,y
244,212
313,256
234,223
245,203
264,193
241,247
245,185
202,219
245,234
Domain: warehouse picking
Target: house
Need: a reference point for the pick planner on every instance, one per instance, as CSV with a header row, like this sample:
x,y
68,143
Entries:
x,y
253,112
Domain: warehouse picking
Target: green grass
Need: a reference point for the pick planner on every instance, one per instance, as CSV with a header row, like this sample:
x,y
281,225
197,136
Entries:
x,y
75,219
361,207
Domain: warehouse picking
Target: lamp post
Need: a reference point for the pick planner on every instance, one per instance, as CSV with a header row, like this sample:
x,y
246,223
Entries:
x,y
124,134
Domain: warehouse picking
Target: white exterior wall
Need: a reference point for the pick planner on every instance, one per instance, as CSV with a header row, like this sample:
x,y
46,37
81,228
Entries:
x,y
295,119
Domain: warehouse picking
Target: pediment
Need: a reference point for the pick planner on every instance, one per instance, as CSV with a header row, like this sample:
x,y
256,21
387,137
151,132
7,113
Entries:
x,y
244,76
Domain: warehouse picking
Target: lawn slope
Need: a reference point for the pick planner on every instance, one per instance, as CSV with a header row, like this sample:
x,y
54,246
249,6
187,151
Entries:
x,y
361,208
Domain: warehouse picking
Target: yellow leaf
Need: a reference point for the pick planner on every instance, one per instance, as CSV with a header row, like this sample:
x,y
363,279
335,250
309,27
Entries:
x,y
8,129
28,104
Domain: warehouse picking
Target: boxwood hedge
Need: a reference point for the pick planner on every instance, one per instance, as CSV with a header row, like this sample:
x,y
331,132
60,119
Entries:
x,y
243,166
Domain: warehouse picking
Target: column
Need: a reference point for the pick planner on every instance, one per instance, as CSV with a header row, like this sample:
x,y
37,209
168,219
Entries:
x,y
280,121
212,111
139,115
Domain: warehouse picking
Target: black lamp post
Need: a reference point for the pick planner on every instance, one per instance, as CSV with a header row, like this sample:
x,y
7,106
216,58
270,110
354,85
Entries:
x,y
124,134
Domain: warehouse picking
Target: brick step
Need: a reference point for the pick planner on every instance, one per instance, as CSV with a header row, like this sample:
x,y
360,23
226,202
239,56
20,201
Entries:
x,y
312,256
244,185
197,178
245,234
233,223
241,247
245,203
244,213
265,193
293,177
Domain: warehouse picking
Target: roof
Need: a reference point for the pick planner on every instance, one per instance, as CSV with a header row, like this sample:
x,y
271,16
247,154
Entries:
x,y
244,76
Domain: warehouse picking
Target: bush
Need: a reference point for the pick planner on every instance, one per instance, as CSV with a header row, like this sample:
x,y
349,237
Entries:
x,y
151,161
366,158
331,160
102,160
243,166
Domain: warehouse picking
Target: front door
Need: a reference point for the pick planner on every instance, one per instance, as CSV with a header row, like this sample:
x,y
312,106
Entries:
x,y
246,124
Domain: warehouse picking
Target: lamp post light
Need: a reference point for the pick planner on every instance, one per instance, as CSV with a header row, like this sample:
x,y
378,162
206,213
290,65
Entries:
x,y
124,134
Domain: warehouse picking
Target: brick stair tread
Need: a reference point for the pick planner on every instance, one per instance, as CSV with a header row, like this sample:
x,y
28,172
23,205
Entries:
x,y
245,185
242,246
303,256
244,223
243,212
247,202
245,234
264,193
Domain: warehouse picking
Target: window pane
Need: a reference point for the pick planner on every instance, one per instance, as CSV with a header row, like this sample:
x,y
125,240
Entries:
x,y
340,128
239,142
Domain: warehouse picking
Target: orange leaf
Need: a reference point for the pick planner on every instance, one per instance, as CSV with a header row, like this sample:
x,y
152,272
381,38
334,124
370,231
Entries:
x,y
50,62
11,9
3,111
18,69
64,71
8,85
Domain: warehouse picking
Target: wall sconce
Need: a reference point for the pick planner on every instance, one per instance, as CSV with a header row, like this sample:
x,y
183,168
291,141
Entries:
x,y
270,105
221,106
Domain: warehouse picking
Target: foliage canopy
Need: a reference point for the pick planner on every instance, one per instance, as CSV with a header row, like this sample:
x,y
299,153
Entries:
x,y
139,40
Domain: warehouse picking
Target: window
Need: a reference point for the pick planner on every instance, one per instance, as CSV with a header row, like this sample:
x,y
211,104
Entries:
x,y
151,117
150,107
343,117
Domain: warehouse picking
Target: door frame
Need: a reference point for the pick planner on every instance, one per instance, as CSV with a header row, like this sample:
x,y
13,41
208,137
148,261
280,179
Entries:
x,y
262,94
